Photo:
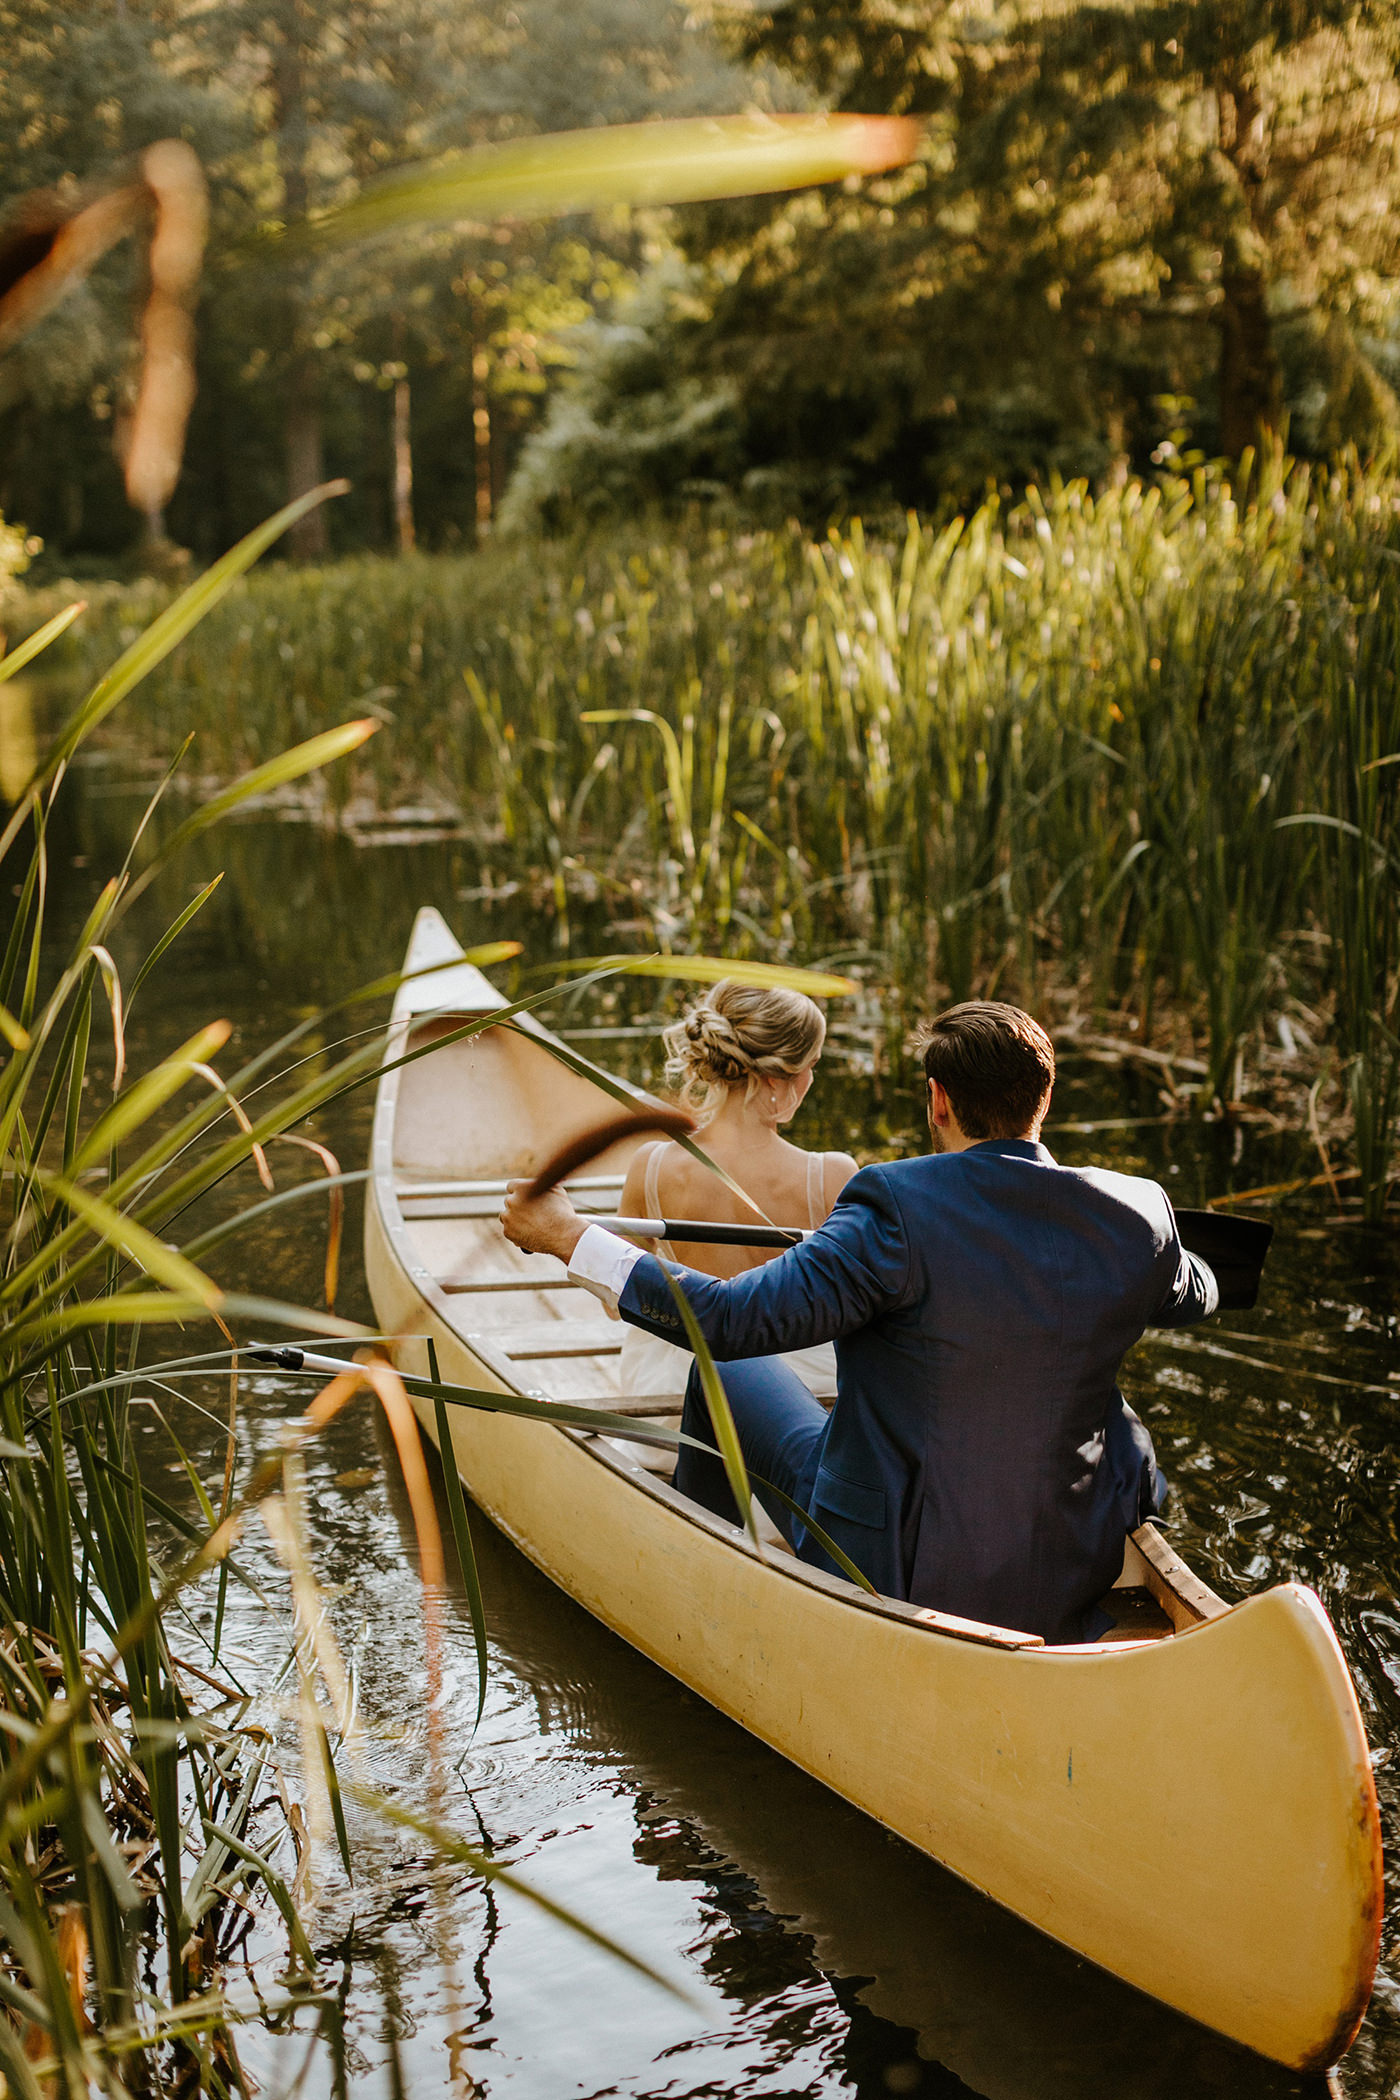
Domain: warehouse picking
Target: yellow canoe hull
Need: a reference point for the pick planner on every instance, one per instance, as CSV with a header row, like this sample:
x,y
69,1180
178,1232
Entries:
x,y
1195,1814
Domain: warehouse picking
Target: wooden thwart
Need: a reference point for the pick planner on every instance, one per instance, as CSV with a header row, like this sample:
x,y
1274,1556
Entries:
x,y
543,1340
642,1405
415,1206
455,1285
498,1188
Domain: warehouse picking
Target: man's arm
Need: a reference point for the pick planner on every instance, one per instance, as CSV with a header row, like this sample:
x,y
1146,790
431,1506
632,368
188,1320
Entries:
x,y
1194,1293
853,1269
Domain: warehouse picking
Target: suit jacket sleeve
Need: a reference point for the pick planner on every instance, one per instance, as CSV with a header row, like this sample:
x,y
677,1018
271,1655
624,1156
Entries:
x,y
1193,1293
853,1269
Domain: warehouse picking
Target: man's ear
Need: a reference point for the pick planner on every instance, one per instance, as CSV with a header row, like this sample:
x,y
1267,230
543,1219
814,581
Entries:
x,y
939,1107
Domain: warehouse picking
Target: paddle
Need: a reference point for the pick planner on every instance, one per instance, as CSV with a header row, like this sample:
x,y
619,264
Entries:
x,y
706,1232
1233,1247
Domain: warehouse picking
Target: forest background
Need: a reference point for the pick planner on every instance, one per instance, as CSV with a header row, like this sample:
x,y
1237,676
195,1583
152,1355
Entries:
x,y
1134,235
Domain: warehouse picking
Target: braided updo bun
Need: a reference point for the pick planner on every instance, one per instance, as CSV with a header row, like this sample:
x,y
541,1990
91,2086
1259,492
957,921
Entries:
x,y
738,1035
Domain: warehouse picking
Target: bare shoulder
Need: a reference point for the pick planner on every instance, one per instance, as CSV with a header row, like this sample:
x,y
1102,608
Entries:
x,y
837,1169
630,1202
680,1180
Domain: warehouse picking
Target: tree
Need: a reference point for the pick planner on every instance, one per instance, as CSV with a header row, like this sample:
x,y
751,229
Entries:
x,y
1226,167
1130,222
337,96
86,98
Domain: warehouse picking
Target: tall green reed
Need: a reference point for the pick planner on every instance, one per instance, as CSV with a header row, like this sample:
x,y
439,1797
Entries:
x,y
128,1835
1353,839
1043,749
108,1773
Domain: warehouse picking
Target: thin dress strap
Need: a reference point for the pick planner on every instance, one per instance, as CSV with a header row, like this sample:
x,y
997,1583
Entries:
x,y
651,1192
816,1189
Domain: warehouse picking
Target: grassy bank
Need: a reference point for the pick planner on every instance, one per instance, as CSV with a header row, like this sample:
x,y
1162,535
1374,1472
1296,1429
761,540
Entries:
x,y
1129,750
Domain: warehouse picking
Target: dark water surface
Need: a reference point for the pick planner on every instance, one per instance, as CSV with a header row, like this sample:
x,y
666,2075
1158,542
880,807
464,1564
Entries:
x,y
813,1954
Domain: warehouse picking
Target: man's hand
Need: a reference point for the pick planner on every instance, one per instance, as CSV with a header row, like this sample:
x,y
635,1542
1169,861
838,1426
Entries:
x,y
541,1224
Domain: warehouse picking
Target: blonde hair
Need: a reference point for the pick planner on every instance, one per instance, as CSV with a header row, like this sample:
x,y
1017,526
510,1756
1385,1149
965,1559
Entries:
x,y
738,1035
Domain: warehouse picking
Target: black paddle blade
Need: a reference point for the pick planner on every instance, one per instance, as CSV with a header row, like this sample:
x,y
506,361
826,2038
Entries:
x,y
1234,1247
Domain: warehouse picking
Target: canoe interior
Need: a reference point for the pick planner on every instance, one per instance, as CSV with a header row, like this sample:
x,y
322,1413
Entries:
x,y
542,1335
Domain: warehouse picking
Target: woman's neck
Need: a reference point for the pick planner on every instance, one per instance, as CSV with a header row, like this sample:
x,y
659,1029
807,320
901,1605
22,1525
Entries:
x,y
740,1122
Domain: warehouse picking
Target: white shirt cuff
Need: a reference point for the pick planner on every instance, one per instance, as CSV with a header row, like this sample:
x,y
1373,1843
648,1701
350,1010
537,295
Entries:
x,y
602,1263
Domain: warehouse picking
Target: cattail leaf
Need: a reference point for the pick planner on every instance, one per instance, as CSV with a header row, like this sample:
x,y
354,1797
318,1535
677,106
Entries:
x,y
160,1262
40,639
680,161
165,633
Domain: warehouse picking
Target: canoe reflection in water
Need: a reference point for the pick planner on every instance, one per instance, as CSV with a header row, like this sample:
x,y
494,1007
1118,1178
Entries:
x,y
834,1946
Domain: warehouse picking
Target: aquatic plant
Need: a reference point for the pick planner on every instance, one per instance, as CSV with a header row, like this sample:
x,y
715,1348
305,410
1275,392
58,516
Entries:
x,y
1045,748
128,1842
114,1766
129,1801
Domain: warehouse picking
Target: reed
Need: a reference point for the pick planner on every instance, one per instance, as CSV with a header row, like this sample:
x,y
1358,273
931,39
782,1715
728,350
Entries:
x,y
1053,748
115,1769
129,1846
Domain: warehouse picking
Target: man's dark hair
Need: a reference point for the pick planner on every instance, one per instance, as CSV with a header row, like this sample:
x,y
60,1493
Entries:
x,y
995,1064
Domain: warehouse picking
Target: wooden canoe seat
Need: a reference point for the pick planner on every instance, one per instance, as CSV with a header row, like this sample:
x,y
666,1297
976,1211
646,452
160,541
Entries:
x,y
498,1188
453,1284
538,1341
437,1200
593,1194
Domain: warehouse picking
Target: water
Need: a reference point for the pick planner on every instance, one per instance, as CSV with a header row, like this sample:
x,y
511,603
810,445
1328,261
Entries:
x,y
810,1953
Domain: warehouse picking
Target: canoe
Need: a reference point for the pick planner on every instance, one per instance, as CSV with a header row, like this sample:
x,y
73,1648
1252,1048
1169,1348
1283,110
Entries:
x,y
1187,1803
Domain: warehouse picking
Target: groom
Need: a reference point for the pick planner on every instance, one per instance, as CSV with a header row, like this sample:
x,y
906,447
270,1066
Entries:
x,y
979,1458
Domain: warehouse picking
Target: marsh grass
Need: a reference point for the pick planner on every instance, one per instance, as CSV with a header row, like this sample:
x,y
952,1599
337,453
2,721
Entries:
x,y
1059,749
115,1768
130,1801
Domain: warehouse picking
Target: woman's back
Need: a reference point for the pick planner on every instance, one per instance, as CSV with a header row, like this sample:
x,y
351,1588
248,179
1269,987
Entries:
x,y
743,1059
789,1186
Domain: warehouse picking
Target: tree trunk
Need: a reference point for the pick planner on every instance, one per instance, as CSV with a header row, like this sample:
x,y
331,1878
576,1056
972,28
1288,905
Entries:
x,y
403,469
1251,386
306,465
481,436
305,455
403,447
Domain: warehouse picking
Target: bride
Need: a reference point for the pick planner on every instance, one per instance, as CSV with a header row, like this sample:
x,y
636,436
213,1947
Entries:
x,y
742,1061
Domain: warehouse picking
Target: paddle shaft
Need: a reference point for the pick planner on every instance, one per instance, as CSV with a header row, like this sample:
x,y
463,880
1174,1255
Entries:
x,y
707,1232
1234,1247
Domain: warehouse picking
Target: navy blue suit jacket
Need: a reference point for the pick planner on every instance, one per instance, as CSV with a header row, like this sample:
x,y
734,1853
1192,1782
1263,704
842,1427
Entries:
x,y
979,1457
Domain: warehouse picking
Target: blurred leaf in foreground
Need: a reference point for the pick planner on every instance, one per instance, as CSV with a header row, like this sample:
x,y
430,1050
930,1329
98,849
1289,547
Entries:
x,y
677,162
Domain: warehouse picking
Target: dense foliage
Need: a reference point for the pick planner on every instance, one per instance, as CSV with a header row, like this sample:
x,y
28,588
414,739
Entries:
x,y
1133,233
1135,230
